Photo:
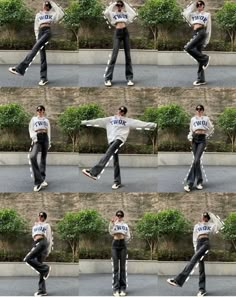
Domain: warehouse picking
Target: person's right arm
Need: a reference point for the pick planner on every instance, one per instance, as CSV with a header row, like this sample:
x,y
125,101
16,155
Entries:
x,y
36,26
108,12
190,134
59,12
195,238
32,133
188,10
100,122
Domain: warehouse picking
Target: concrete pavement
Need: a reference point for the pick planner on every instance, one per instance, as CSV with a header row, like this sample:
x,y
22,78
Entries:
x,y
144,76
27,286
161,179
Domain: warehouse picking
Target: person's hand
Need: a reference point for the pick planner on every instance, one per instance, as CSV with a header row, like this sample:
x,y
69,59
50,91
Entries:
x,y
113,219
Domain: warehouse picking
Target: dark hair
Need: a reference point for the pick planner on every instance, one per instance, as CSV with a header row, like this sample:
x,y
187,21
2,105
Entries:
x,y
43,214
200,2
200,106
206,215
48,4
124,109
41,107
120,2
120,212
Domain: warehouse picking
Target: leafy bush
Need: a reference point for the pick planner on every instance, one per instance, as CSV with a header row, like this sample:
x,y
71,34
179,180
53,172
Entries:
x,y
227,122
70,120
157,226
229,230
87,222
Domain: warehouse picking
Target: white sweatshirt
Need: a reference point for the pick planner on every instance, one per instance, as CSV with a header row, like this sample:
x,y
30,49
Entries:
x,y
118,127
54,15
43,228
127,14
38,123
195,17
200,123
212,226
119,227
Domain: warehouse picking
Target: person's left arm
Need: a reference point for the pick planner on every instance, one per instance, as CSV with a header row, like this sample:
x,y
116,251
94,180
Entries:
x,y
127,235
210,127
49,134
218,224
137,124
208,30
59,12
49,239
130,11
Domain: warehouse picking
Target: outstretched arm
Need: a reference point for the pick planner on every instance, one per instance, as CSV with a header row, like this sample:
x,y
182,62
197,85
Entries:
x,y
100,122
187,12
137,124
218,224
59,12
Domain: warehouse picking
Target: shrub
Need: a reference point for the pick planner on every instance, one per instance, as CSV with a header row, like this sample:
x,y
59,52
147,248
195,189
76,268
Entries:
x,y
229,230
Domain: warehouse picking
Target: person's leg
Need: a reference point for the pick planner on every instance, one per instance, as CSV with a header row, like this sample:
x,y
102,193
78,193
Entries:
x,y
117,178
181,278
43,38
34,163
192,172
128,63
43,60
115,259
44,152
200,149
192,47
42,283
202,276
115,51
32,257
123,256
97,169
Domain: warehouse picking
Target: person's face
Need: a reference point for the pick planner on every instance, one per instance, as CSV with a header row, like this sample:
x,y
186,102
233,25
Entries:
x,y
199,111
121,113
40,111
200,6
119,6
204,219
119,216
46,7
41,218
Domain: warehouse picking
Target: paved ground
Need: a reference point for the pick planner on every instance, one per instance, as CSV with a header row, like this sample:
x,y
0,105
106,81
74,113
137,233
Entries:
x,y
101,285
70,179
162,179
27,286
152,285
144,75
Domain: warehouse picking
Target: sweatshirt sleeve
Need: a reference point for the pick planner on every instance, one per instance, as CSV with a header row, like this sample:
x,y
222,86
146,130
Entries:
x,y
100,122
36,26
208,31
127,236
190,134
108,12
49,237
187,12
218,224
131,12
59,13
110,228
49,132
210,128
195,237
32,133
137,124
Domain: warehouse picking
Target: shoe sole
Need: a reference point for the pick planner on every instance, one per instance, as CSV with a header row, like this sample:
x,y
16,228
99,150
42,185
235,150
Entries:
x,y
88,175
43,84
38,189
200,84
205,67
199,189
44,186
116,189
14,72
187,190
171,283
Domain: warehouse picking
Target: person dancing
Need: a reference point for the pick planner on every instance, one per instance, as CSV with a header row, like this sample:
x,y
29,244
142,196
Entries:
x,y
201,24
50,14
200,129
118,128
43,242
208,224
120,14
40,133
121,235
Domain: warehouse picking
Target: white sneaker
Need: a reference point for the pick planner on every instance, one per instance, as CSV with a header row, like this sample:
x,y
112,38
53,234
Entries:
x,y
201,293
122,293
199,187
43,82
14,71
207,64
130,83
44,184
198,83
87,173
37,188
40,294
108,83
116,186
187,188
116,293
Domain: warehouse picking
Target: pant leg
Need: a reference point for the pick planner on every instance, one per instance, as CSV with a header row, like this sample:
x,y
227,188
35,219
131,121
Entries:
x,y
44,152
102,163
199,152
34,163
192,47
128,63
192,172
202,276
40,248
43,38
123,256
117,178
115,259
42,283
116,46
181,278
43,61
